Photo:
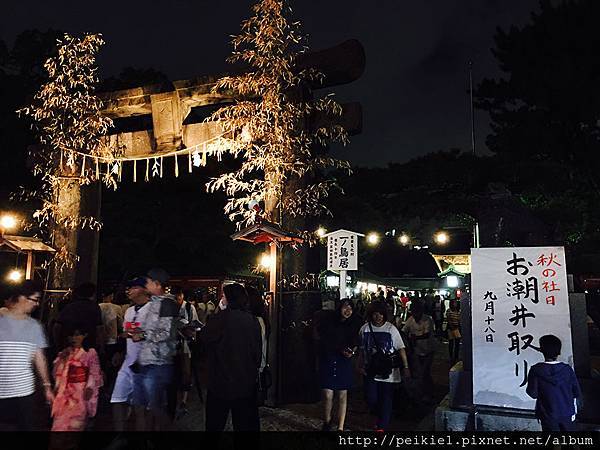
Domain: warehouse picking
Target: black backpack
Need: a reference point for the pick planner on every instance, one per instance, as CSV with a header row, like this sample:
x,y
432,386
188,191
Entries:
x,y
380,363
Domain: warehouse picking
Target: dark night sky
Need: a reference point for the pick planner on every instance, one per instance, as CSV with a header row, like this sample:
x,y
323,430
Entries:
x,y
413,90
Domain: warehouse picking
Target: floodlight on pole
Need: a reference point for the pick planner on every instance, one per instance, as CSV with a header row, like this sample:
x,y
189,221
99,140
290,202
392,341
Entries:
x,y
404,239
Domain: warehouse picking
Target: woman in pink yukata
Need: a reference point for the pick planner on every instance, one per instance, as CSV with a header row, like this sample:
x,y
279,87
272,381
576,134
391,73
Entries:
x,y
78,379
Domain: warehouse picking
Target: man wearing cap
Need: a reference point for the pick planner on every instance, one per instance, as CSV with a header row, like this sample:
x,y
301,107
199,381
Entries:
x,y
134,323
157,353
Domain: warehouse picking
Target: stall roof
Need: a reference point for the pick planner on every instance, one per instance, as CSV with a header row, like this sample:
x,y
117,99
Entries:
x,y
25,244
451,270
265,232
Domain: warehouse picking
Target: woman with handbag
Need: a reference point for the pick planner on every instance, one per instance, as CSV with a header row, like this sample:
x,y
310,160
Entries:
x,y
381,357
337,337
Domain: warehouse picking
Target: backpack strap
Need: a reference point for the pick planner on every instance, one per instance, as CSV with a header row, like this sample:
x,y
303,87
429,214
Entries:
x,y
375,340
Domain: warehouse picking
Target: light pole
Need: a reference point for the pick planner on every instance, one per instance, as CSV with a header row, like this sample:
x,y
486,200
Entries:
x,y
9,222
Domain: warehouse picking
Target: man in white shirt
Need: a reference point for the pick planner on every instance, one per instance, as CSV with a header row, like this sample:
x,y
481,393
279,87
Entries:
x,y
133,327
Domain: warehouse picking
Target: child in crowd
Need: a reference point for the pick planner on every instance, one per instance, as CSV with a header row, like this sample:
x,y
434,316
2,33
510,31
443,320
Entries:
x,y
554,386
78,380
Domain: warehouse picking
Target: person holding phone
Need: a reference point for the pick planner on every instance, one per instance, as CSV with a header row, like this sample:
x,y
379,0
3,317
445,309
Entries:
x,y
337,336
133,331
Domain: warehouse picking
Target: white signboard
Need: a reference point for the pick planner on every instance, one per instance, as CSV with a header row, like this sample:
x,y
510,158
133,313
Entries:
x,y
518,295
342,250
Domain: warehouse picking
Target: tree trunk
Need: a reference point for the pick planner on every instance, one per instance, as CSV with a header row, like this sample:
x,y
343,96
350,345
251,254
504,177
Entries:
x,y
68,202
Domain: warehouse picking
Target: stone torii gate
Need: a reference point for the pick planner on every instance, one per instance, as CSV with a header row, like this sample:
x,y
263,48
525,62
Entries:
x,y
173,129
169,107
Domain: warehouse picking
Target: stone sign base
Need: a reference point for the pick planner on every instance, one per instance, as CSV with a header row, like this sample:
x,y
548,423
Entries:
x,y
489,419
455,414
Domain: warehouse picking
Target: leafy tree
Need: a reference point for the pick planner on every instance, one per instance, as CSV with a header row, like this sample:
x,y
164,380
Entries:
x,y
66,116
273,126
544,116
547,106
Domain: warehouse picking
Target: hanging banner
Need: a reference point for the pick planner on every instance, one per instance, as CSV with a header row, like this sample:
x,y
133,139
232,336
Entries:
x,y
518,295
342,250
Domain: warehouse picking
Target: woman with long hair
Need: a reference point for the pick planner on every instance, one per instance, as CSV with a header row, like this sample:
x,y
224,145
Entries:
x,y
338,342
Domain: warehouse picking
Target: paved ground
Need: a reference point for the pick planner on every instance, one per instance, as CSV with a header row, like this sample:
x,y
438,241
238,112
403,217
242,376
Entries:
x,y
408,416
307,417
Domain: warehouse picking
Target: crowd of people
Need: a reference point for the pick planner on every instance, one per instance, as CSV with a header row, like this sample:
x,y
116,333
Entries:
x,y
394,341
144,353
143,357
137,356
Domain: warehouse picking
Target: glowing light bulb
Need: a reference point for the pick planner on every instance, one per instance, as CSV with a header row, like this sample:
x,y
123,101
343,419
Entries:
x,y
442,238
15,276
8,222
266,261
373,238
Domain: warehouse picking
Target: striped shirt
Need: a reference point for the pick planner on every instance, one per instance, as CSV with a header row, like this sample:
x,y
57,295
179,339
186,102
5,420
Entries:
x,y
453,318
19,341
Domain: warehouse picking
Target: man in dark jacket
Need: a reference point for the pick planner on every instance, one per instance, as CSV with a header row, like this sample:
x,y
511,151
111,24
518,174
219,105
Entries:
x,y
233,342
554,385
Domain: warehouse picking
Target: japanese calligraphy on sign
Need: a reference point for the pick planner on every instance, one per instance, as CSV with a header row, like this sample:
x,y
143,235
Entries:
x,y
342,250
518,295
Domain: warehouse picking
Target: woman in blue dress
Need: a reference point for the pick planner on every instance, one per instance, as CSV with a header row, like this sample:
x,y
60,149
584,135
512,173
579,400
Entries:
x,y
338,342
